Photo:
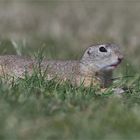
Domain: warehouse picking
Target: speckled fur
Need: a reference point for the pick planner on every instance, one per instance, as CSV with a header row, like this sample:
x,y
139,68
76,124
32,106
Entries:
x,y
87,71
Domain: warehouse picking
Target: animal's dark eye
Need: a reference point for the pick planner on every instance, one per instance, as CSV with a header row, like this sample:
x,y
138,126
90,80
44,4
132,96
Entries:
x,y
103,49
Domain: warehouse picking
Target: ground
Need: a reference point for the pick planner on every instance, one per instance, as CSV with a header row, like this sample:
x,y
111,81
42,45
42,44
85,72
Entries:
x,y
34,108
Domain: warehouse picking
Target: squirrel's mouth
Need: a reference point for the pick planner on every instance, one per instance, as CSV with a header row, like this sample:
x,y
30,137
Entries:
x,y
114,65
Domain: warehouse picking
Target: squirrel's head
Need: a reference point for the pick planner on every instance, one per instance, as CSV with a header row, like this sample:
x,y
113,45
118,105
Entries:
x,y
102,57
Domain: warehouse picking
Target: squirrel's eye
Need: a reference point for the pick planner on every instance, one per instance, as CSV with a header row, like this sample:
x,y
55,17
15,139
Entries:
x,y
103,49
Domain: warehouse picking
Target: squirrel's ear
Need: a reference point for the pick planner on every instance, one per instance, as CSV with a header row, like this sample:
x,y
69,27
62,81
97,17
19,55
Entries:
x,y
89,51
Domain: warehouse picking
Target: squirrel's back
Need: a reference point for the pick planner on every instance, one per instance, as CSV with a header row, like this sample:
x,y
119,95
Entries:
x,y
17,65
61,67
13,65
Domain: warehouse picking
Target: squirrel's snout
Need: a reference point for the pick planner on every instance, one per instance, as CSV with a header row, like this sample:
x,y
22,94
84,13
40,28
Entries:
x,y
120,58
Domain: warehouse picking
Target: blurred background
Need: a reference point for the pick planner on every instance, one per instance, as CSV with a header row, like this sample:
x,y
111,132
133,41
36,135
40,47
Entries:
x,y
65,28
40,110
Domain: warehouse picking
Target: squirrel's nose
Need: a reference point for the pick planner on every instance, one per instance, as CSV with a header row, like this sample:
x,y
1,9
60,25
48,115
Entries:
x,y
120,58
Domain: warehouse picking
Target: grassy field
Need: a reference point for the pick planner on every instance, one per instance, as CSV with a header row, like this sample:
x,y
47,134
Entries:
x,y
36,109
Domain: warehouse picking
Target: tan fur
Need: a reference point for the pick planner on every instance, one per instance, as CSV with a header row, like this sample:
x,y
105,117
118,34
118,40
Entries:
x,y
89,70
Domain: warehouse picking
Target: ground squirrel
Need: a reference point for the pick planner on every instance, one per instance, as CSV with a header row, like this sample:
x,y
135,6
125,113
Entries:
x,y
95,66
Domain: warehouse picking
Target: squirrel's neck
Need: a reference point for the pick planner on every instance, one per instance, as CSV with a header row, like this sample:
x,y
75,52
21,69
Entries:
x,y
105,78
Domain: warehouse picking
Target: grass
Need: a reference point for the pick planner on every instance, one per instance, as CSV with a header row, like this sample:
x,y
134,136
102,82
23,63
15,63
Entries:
x,y
34,108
